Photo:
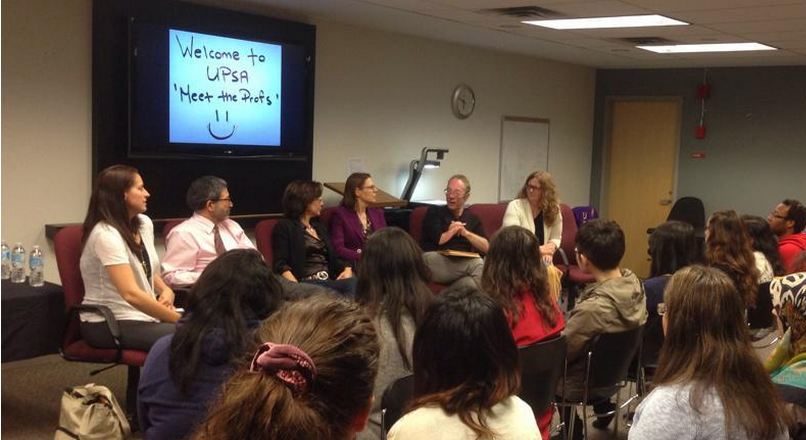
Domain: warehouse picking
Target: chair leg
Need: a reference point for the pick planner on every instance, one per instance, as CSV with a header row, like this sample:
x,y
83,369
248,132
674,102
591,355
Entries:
x,y
572,412
585,421
132,381
617,414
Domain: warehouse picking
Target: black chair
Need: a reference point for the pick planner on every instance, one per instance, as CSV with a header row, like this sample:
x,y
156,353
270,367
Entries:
x,y
607,364
394,401
542,365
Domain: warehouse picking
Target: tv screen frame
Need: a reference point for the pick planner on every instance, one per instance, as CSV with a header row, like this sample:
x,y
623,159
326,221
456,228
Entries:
x,y
149,91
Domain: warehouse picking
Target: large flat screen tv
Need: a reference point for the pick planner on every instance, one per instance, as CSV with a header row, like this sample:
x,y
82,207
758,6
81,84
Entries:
x,y
214,92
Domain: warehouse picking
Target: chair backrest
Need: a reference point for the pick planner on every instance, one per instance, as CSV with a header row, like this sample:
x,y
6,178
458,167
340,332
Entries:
x,y
325,215
611,355
67,247
263,231
491,216
541,367
760,316
394,401
166,228
584,214
569,236
689,210
416,223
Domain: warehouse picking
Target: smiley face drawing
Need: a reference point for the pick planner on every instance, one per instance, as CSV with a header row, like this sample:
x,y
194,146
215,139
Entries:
x,y
221,137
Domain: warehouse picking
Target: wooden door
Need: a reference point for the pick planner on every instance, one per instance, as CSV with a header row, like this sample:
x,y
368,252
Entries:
x,y
640,171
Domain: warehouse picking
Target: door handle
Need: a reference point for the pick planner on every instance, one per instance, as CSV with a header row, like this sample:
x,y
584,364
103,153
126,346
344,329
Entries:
x,y
665,202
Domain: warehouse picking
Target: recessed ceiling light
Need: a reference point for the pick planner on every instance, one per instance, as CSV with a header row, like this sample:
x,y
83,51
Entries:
x,y
626,21
713,47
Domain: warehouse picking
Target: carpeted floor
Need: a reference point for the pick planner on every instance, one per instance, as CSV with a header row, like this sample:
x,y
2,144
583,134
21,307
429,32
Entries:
x,y
32,391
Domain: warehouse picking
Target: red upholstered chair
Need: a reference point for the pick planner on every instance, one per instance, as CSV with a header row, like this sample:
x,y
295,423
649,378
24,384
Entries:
x,y
491,216
565,259
263,231
416,223
166,228
67,246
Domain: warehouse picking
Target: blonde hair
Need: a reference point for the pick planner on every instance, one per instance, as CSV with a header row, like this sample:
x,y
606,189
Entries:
x,y
549,203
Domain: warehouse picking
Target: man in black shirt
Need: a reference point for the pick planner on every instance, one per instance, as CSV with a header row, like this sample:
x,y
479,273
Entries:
x,y
450,227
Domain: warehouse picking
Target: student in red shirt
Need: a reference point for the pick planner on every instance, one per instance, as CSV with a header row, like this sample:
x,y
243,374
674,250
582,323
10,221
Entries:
x,y
514,275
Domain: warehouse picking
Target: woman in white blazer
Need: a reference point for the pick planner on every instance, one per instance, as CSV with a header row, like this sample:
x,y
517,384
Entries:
x,y
536,208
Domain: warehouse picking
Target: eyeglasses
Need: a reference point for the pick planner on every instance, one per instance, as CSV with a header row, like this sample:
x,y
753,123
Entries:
x,y
371,188
776,215
454,193
661,309
532,188
225,199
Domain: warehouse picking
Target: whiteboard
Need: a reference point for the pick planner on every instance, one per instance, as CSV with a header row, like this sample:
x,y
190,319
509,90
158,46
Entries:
x,y
524,149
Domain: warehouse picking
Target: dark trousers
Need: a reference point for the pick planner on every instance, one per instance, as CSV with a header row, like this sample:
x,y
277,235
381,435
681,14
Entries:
x,y
345,287
138,335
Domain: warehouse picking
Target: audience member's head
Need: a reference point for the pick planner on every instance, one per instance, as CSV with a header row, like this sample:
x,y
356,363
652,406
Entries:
x,y
457,191
728,247
788,217
539,188
312,377
672,245
600,243
302,196
465,359
358,187
117,197
233,294
392,281
707,346
513,267
764,241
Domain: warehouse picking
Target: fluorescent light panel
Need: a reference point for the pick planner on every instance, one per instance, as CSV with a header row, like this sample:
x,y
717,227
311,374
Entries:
x,y
626,21
714,47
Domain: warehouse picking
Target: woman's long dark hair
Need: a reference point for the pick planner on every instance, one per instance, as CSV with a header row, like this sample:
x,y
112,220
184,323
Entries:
x,y
672,246
513,265
108,205
707,346
764,241
728,247
236,289
465,359
392,282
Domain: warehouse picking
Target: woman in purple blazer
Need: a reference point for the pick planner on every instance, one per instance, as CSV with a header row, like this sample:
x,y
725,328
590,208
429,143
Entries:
x,y
353,221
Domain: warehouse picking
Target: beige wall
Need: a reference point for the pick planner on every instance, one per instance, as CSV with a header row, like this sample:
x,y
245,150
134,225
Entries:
x,y
380,97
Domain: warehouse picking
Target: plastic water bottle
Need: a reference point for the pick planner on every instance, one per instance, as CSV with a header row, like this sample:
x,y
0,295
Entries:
x,y
36,261
18,264
6,261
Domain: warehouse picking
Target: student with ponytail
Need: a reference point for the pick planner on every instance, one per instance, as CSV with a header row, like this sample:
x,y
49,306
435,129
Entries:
x,y
311,377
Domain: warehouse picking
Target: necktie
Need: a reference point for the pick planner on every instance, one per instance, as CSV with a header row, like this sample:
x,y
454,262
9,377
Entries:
x,y
219,244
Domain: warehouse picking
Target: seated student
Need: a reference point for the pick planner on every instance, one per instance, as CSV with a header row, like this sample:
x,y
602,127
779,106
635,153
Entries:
x,y
711,386
194,243
787,221
615,302
466,374
451,227
120,266
354,220
301,246
765,248
728,247
515,277
392,288
672,246
184,371
787,363
311,378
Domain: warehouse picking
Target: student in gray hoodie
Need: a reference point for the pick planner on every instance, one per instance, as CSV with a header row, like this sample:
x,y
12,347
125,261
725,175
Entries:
x,y
614,303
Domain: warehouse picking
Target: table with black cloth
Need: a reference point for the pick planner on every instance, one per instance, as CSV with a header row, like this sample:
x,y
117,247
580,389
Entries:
x,y
32,320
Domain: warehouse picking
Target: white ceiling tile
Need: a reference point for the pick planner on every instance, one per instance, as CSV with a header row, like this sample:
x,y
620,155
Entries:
x,y
796,24
712,16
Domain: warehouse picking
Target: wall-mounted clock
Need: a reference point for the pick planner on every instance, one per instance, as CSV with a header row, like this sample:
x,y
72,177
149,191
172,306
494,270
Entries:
x,y
463,101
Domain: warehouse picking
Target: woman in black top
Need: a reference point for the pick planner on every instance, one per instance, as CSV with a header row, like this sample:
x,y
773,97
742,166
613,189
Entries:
x,y
302,249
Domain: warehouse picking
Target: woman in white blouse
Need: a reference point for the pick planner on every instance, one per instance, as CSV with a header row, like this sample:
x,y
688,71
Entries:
x,y
536,208
120,266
